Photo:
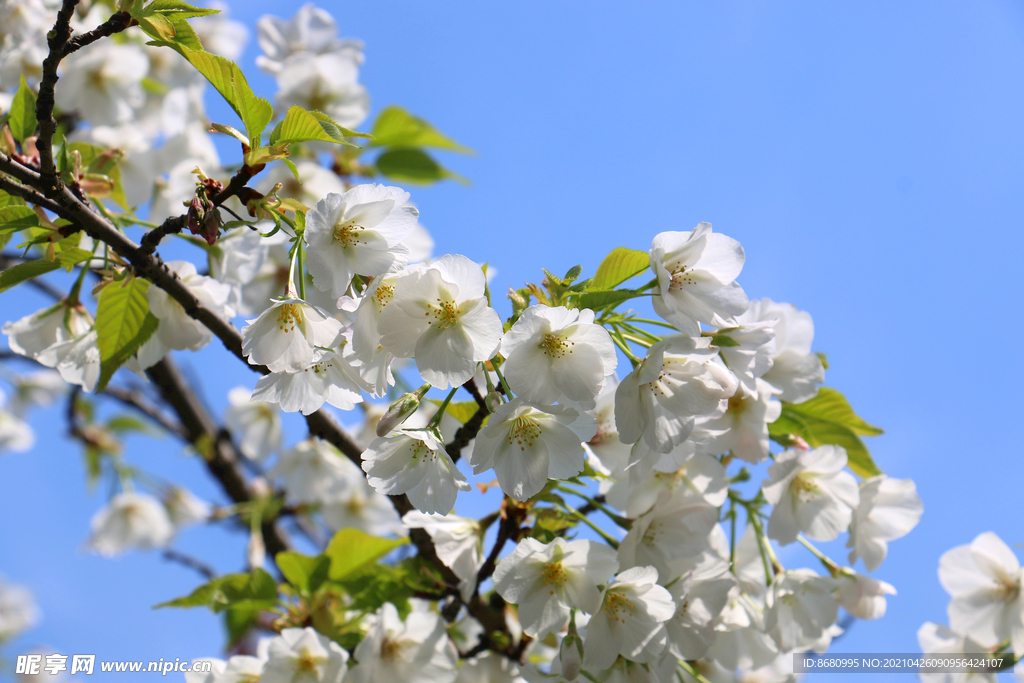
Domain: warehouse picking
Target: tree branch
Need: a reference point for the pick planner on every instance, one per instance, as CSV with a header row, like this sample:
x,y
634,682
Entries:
x,y
138,401
57,40
119,21
206,570
223,461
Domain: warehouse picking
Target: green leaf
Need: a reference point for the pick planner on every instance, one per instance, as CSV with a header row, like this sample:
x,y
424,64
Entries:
x,y
300,125
619,266
230,82
255,591
10,200
414,166
177,9
68,258
15,275
22,118
96,159
395,127
601,300
15,218
302,571
374,585
123,323
828,419
237,623
351,550
461,411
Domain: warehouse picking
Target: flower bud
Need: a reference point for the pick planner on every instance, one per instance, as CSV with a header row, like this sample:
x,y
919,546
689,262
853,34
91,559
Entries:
x,y
399,411
570,654
256,552
493,400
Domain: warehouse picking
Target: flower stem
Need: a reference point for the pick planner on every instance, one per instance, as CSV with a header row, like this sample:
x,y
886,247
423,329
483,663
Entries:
x,y
829,563
501,378
583,518
618,519
435,421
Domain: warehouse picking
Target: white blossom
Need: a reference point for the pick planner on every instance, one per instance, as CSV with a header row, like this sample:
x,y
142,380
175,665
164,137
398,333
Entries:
x,y
324,82
747,349
286,336
15,434
334,378
414,651
698,601
629,621
18,611
800,608
811,493
440,316
104,83
458,542
358,232
697,273
862,596
59,337
255,424
547,580
40,388
675,382
985,581
312,471
677,529
177,329
358,506
130,521
742,428
414,463
701,477
796,371
184,509
311,30
527,444
302,654
557,354
941,640
888,509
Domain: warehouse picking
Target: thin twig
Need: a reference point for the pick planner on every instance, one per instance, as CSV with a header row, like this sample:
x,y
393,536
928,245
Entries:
x,y
206,570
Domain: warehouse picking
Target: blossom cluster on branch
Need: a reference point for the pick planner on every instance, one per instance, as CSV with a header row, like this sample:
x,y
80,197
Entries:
x,y
633,540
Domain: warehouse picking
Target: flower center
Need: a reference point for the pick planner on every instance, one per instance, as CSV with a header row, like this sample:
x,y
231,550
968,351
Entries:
x,y
348,233
420,451
446,314
803,488
553,576
650,537
321,368
390,650
308,662
384,295
617,606
737,403
289,316
682,276
524,429
555,346
1007,589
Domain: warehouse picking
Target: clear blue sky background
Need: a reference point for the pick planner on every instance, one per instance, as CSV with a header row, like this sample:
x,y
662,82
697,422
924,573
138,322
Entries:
x,y
868,156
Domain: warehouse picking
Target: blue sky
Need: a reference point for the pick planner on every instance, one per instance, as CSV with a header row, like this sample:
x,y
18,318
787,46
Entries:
x,y
869,157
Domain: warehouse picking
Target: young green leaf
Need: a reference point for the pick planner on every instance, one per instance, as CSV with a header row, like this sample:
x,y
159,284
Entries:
x,y
300,125
828,419
15,275
177,9
351,549
230,82
618,266
414,166
123,324
22,118
302,571
15,218
395,127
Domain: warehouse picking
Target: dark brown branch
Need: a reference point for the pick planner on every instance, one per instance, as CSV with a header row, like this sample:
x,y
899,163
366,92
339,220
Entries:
x,y
174,225
206,570
119,21
57,40
222,458
467,433
138,401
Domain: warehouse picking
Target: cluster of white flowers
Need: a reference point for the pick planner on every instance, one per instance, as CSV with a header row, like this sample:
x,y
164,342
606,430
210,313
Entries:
x,y
340,300
18,611
986,609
